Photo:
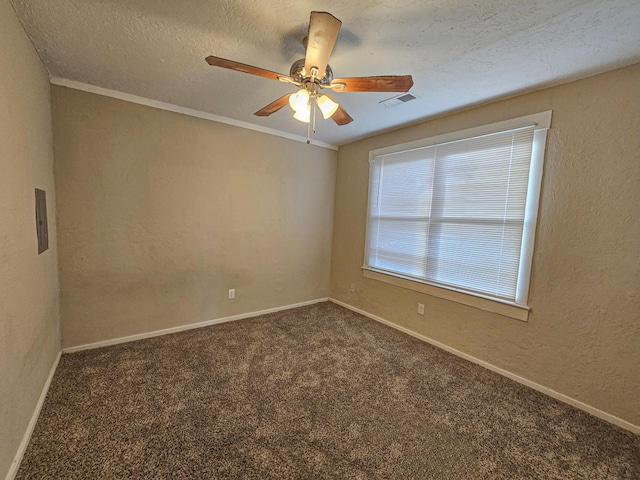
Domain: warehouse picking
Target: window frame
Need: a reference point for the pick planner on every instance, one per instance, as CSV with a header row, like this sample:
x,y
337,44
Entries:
x,y
518,309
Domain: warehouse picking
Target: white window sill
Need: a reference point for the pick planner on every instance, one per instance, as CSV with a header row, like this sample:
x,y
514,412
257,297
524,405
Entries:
x,y
483,303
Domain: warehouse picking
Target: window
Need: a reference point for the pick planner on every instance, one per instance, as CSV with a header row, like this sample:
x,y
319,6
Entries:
x,y
458,211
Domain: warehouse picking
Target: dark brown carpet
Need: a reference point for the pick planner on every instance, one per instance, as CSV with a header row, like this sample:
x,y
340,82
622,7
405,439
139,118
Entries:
x,y
314,392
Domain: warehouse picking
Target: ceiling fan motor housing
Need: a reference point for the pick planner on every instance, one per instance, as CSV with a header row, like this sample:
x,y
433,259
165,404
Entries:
x,y
298,73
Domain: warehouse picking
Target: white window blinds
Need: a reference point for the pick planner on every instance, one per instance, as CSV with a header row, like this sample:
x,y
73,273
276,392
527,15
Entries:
x,y
453,214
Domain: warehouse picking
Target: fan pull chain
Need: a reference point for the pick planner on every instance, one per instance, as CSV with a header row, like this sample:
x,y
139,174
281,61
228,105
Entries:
x,y
315,102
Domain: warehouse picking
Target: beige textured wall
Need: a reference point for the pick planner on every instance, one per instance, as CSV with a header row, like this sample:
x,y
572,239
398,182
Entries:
x,y
583,334
29,318
160,214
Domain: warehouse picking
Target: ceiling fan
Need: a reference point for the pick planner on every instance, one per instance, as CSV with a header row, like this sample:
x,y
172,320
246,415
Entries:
x,y
313,74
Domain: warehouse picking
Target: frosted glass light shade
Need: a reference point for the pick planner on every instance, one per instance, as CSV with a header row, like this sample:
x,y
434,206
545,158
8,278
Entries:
x,y
327,106
304,115
299,100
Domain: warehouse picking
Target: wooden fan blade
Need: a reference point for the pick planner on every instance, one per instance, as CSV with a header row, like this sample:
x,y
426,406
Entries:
x,y
241,67
341,117
388,83
274,106
322,36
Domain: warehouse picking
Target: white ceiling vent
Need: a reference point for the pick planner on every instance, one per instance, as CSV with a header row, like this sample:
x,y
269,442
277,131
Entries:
x,y
398,100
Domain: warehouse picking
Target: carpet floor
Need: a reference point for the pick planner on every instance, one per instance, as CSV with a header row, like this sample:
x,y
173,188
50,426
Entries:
x,y
313,392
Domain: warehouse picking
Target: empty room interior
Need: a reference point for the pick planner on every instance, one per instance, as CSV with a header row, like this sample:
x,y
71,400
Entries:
x,y
375,239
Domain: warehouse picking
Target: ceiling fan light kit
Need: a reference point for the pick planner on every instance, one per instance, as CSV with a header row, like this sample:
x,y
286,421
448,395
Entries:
x,y
304,115
313,73
299,100
327,106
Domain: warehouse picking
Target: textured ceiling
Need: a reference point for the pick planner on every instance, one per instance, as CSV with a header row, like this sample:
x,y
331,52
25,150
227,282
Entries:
x,y
460,52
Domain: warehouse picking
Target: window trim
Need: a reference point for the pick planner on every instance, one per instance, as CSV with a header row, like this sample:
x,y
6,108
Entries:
x,y
501,307
518,309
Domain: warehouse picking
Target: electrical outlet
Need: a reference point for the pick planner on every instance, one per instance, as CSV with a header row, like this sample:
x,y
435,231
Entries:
x,y
352,288
232,293
420,309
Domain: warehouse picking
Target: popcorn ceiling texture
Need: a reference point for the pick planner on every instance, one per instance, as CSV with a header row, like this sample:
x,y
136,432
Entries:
x,y
459,52
317,392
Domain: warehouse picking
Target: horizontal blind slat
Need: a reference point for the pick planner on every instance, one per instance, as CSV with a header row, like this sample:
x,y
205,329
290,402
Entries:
x,y
453,213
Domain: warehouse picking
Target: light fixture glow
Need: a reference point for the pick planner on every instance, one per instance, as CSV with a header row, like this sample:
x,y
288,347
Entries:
x,y
299,101
303,115
327,106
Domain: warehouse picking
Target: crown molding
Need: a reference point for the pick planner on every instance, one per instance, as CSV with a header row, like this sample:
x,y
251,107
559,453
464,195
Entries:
x,y
127,97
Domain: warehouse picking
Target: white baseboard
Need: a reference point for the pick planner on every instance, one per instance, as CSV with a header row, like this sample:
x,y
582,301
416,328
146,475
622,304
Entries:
x,y
536,386
181,328
15,465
